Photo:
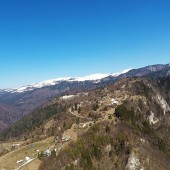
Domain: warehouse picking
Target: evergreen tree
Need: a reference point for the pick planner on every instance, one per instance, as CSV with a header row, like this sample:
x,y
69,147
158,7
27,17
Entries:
x,y
79,109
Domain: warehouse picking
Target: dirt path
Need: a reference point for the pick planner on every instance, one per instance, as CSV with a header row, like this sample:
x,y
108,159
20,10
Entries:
x,y
26,163
34,165
75,114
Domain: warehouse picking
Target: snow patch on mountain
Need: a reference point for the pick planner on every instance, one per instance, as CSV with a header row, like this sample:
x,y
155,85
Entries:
x,y
119,73
94,77
6,90
67,97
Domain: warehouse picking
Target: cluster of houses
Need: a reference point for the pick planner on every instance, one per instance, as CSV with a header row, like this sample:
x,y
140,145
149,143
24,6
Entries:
x,y
15,146
62,139
47,153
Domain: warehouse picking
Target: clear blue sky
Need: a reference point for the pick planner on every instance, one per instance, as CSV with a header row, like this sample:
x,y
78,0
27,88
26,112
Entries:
x,y
43,39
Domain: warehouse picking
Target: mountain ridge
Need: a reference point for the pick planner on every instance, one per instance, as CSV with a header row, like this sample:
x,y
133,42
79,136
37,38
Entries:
x,y
92,77
51,82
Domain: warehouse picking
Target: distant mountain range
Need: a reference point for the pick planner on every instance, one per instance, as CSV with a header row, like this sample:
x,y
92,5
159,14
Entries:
x,y
16,103
94,77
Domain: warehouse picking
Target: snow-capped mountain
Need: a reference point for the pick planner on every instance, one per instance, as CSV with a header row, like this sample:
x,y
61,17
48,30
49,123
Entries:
x,y
52,82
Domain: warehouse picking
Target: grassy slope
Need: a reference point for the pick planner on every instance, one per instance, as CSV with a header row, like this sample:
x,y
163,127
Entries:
x,y
8,161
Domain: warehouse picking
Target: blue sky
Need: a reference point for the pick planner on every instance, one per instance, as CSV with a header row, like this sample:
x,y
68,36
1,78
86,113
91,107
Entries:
x,y
43,39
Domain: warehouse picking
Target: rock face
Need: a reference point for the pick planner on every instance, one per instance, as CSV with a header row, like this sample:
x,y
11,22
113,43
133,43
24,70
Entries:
x,y
133,162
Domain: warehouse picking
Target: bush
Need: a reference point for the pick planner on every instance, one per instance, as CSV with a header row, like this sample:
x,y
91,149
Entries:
x,y
107,129
85,160
69,167
40,155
